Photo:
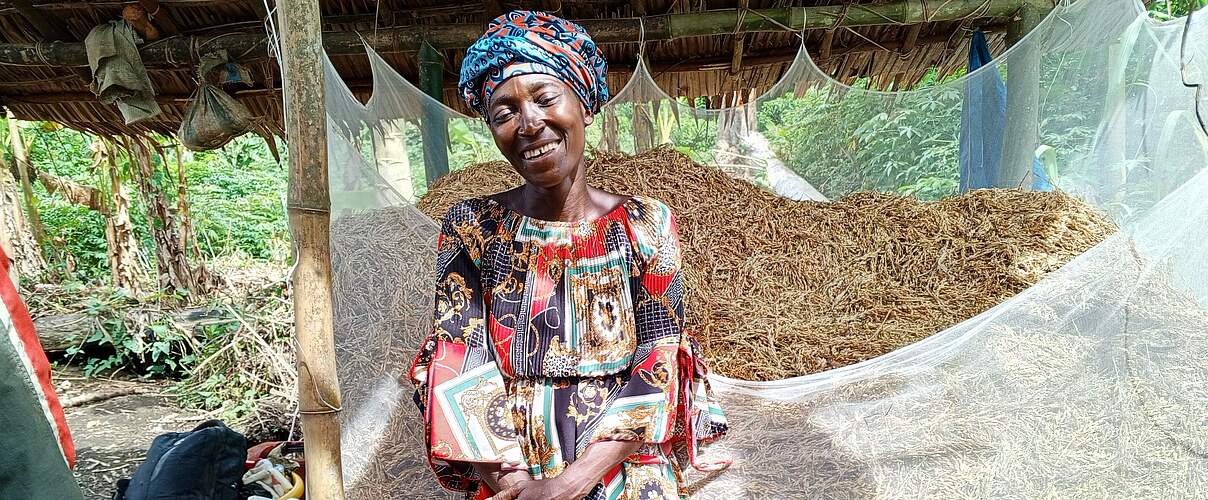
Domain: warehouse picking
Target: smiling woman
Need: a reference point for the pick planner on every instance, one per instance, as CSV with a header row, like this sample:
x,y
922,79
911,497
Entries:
x,y
558,367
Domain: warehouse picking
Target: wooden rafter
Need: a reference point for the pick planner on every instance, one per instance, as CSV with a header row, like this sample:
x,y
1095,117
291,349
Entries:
x,y
751,59
183,49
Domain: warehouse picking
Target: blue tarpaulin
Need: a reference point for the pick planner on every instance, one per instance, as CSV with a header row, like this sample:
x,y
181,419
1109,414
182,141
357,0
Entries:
x,y
983,120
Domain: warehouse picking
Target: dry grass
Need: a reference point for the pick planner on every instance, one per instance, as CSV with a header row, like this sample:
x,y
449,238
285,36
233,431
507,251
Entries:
x,y
779,288
1090,385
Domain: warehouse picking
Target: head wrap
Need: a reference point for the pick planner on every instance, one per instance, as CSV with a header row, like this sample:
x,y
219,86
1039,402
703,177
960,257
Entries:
x,y
524,42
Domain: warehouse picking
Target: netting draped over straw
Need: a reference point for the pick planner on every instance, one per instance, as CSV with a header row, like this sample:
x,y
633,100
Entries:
x,y
1091,383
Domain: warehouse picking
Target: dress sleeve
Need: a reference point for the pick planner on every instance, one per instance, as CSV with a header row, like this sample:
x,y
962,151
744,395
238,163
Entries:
x,y
666,400
458,387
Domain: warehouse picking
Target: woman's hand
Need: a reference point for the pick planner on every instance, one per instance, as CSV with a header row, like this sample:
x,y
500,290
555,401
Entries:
x,y
563,487
499,480
512,491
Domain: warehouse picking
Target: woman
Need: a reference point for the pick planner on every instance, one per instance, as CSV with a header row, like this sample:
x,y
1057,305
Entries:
x,y
558,367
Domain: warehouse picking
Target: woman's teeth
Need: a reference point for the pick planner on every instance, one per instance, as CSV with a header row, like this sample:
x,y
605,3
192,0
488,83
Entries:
x,y
535,152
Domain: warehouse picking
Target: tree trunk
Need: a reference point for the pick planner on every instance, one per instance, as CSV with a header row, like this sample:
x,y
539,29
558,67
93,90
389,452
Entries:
x,y
643,127
119,230
21,159
19,242
391,155
611,140
203,279
170,256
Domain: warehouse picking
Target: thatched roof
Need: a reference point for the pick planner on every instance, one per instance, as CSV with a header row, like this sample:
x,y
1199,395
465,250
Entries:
x,y
691,45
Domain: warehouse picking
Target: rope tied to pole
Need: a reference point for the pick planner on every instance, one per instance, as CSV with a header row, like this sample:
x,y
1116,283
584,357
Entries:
x,y
40,52
328,407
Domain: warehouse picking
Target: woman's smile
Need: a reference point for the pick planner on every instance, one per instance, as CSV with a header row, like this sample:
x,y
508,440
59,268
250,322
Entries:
x,y
541,151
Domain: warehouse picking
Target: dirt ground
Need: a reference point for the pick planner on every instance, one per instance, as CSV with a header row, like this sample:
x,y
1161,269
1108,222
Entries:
x,y
112,435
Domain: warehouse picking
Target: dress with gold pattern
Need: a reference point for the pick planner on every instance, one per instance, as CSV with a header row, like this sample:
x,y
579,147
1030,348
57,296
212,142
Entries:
x,y
550,336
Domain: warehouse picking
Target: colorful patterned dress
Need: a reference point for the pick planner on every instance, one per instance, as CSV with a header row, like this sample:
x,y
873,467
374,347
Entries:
x,y
550,336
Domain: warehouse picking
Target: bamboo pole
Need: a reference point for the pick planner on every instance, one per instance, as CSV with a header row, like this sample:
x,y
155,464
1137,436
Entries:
x,y
310,218
182,49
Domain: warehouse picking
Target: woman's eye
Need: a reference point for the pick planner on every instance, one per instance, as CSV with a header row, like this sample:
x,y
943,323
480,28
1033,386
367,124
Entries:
x,y
547,99
501,116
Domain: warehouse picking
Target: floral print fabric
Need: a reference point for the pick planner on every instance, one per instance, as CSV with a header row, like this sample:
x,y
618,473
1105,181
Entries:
x,y
550,336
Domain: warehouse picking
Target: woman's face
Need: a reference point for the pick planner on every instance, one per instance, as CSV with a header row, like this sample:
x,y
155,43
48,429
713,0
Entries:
x,y
538,124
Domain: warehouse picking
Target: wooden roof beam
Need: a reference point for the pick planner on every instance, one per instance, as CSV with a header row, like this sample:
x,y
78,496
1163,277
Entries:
x,y
181,49
756,59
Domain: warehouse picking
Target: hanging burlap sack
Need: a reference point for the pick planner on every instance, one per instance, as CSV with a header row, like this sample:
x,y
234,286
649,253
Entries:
x,y
214,117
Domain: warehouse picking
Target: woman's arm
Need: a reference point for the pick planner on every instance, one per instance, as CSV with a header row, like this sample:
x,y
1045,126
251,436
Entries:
x,y
599,458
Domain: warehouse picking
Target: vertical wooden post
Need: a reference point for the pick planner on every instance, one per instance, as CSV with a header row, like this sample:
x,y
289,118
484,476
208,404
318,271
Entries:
x,y
1022,134
435,130
309,219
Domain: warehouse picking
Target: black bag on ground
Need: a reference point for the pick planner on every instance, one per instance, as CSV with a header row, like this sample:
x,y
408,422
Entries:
x,y
203,464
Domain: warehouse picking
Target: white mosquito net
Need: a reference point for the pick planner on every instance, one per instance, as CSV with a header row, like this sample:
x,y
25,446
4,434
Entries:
x,y
1091,383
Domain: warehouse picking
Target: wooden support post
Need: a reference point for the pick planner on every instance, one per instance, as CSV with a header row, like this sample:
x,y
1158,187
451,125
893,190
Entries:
x,y
739,39
1113,174
1022,134
435,129
310,218
828,41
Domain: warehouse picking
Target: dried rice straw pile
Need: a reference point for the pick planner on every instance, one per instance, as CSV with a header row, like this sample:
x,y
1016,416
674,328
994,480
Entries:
x,y
1091,384
780,288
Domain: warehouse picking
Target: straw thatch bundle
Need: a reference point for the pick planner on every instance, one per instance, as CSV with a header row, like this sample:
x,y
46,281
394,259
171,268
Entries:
x,y
780,288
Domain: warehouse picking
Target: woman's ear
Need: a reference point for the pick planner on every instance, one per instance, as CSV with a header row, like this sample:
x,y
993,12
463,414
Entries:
x,y
588,118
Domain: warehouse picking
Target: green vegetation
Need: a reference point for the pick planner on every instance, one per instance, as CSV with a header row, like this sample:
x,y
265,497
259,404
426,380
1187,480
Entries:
x,y
1165,10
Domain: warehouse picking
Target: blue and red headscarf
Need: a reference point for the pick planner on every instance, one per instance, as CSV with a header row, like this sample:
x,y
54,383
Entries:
x,y
524,42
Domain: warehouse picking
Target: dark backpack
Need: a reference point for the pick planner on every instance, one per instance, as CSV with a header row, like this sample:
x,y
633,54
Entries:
x,y
203,464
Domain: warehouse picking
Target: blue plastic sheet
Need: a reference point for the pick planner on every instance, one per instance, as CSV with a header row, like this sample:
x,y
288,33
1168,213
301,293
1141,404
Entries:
x,y
982,121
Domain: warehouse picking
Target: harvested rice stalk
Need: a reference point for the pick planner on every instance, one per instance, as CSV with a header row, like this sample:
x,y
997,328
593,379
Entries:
x,y
780,288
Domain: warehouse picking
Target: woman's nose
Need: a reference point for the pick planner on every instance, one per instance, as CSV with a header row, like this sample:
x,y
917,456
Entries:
x,y
532,121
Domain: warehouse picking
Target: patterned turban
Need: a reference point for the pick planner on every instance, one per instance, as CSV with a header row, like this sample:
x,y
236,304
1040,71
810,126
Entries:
x,y
524,42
